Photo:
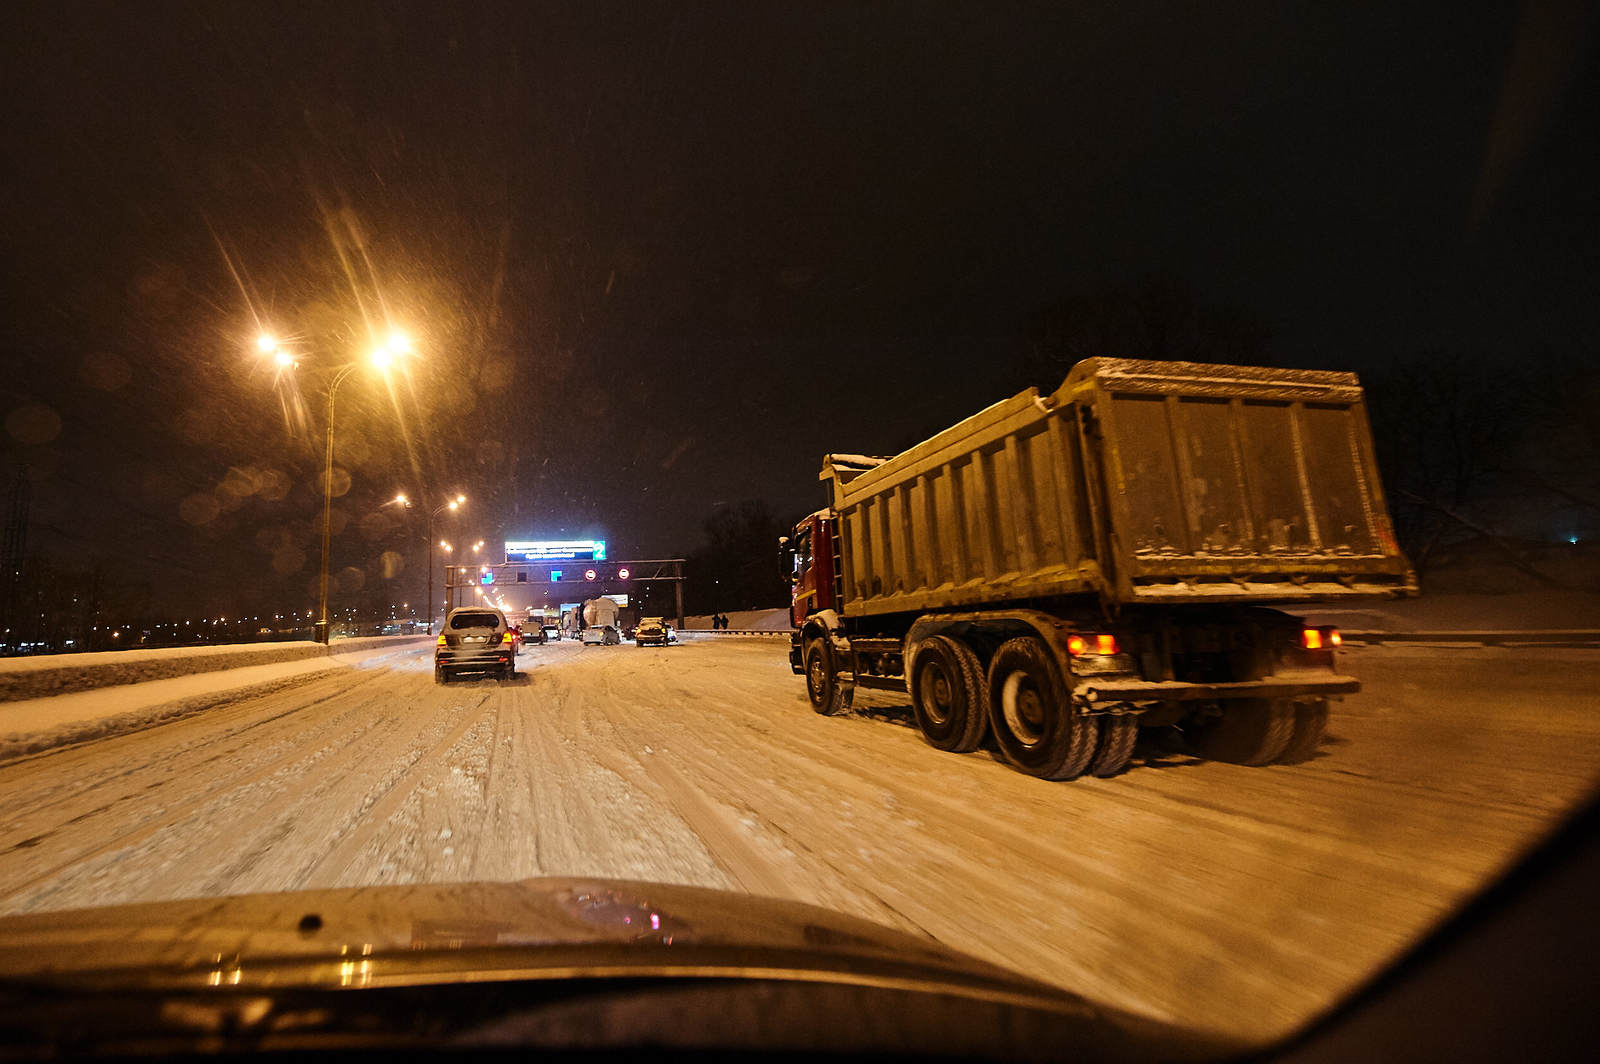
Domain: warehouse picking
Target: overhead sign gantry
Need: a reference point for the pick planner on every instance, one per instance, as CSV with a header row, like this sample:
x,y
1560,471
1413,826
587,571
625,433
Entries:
x,y
560,570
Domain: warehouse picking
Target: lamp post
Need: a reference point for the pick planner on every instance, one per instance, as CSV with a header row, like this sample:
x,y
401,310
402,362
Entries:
x,y
454,504
451,505
383,357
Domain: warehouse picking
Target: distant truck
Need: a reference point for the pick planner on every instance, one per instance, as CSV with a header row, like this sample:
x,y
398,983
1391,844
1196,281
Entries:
x,y
1064,569
600,623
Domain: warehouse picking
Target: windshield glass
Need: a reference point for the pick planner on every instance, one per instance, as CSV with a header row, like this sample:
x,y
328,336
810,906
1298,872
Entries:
x,y
1137,658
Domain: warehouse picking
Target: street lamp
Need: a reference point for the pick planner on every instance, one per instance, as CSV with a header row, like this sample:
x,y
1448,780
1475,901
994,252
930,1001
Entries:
x,y
452,505
383,359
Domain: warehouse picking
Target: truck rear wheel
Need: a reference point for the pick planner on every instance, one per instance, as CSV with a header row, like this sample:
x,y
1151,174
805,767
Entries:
x,y
948,695
828,696
1310,721
1117,736
1249,731
1031,711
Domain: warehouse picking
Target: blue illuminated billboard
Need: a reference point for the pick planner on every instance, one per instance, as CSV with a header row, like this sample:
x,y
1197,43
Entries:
x,y
558,550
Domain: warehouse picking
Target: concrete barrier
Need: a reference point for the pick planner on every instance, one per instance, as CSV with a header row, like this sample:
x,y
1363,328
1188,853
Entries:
x,y
60,674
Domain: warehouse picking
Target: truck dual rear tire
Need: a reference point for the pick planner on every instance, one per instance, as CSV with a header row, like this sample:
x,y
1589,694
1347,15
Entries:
x,y
948,695
1030,709
1310,721
1117,736
1249,731
828,696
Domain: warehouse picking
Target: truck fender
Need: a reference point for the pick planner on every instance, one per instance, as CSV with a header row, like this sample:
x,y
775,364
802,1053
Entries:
x,y
828,625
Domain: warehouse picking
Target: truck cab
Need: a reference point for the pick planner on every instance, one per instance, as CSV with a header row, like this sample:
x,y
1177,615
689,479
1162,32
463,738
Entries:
x,y
811,555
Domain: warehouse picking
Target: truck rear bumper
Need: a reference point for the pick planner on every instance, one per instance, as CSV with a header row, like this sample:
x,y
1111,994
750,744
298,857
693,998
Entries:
x,y
1123,690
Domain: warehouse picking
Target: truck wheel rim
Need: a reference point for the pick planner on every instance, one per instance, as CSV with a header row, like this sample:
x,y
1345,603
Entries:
x,y
1023,709
818,675
936,694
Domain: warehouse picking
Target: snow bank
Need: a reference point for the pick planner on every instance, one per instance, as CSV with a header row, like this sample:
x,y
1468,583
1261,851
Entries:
x,y
1545,609
60,674
744,620
1541,610
37,724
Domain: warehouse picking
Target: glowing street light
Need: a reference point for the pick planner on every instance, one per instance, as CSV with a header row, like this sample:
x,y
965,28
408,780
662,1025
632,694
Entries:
x,y
451,505
398,344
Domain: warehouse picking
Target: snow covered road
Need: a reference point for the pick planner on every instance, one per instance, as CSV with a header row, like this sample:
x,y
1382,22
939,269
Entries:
x,y
1234,898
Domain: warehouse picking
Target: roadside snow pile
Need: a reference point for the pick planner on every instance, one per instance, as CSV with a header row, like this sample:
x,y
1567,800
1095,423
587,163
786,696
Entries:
x,y
744,620
33,725
1553,609
45,723
60,674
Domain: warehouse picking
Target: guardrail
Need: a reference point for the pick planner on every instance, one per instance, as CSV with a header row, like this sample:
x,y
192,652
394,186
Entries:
x,y
1496,637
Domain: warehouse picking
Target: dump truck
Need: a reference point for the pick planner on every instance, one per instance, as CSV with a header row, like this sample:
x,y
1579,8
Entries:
x,y
1059,571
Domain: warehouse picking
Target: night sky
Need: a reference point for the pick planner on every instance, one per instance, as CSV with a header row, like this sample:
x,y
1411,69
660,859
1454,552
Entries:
x,y
658,258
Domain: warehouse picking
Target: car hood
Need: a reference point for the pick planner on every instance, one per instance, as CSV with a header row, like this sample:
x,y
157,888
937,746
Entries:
x,y
400,934
180,965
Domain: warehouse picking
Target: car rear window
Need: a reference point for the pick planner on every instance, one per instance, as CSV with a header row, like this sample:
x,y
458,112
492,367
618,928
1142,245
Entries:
x,y
474,620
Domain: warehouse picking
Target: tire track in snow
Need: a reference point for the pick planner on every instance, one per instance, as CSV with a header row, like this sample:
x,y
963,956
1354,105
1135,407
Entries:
x,y
374,815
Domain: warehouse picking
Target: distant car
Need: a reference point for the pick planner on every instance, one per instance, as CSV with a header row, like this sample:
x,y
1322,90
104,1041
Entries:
x,y
552,632
476,639
597,635
652,631
531,633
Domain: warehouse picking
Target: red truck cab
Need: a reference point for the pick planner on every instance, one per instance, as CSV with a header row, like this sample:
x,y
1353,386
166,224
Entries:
x,y
813,551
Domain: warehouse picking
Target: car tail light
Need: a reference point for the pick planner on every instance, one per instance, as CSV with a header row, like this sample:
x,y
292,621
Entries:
x,y
444,640
1320,638
1095,643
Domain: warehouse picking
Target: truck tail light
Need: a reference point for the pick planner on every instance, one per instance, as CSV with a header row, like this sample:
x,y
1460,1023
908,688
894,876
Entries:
x,y
1320,638
1097,643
